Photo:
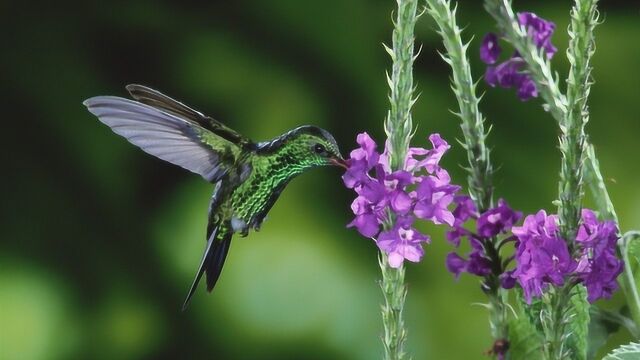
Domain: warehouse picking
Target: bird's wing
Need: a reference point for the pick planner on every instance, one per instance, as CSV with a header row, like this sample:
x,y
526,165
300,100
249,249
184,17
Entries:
x,y
168,135
161,101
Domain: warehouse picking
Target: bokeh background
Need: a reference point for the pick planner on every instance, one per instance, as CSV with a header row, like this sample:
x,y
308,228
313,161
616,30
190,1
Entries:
x,y
100,241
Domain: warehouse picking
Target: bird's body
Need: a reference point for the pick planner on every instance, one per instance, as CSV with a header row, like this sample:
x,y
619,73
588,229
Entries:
x,y
248,177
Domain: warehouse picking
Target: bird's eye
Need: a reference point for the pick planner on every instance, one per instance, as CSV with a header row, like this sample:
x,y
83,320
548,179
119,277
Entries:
x,y
319,149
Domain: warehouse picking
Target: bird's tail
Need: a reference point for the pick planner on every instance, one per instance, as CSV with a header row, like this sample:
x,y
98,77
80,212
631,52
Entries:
x,y
212,261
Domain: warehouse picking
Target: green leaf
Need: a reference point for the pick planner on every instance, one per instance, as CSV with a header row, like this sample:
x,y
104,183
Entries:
x,y
630,249
630,351
632,242
530,311
577,317
603,323
525,342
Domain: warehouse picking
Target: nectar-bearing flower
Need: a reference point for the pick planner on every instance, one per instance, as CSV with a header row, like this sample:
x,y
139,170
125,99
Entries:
x,y
598,266
389,202
493,222
543,257
511,73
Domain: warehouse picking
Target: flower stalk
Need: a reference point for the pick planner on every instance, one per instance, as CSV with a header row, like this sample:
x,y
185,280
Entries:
x,y
398,127
478,155
571,113
464,88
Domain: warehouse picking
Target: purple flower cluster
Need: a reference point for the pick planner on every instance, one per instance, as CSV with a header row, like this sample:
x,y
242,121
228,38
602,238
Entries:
x,y
493,222
543,257
510,73
389,201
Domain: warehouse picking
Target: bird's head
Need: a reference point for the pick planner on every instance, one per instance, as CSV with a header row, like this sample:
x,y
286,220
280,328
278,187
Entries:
x,y
311,146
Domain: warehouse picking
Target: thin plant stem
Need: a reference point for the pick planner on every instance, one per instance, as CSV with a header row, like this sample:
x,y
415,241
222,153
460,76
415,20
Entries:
x,y
464,88
478,155
399,129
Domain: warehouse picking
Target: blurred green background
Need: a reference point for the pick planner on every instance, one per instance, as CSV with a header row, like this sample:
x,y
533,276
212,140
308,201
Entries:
x,y
100,241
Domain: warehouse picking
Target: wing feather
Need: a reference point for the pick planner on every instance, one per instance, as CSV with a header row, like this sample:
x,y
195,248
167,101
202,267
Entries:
x,y
161,101
167,136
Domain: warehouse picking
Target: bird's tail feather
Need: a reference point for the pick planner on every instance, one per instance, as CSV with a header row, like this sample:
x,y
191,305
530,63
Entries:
x,y
212,261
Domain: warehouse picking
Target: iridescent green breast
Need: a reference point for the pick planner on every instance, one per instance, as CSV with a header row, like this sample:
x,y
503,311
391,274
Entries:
x,y
256,195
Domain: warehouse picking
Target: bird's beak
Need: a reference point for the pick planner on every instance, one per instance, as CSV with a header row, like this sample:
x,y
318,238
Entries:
x,y
338,161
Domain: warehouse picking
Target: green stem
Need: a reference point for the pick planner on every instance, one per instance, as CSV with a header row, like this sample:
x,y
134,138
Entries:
x,y
395,292
478,155
555,349
464,88
399,128
398,125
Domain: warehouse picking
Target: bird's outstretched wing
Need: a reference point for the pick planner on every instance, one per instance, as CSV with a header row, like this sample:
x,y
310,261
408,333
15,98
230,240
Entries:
x,y
161,101
172,132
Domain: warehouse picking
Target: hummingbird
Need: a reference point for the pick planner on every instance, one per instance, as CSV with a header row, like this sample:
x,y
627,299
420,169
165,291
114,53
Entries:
x,y
247,176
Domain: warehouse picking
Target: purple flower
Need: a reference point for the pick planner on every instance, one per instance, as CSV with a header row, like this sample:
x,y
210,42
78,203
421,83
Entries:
x,y
490,49
418,158
542,255
497,220
598,267
511,73
507,280
433,195
465,209
361,161
477,264
369,216
455,264
540,30
491,223
402,242
421,189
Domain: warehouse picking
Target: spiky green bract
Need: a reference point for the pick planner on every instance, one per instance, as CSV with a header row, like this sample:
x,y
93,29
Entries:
x,y
398,125
573,142
464,88
472,124
630,351
399,128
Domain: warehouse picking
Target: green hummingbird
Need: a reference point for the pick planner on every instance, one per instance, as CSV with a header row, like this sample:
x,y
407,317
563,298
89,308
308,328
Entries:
x,y
248,177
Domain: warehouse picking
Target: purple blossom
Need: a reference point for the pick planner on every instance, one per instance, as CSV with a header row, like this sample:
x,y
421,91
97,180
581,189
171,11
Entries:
x,y
433,196
455,264
361,161
507,280
511,73
465,209
542,255
420,189
402,242
497,220
490,49
598,266
540,30
477,264
369,216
